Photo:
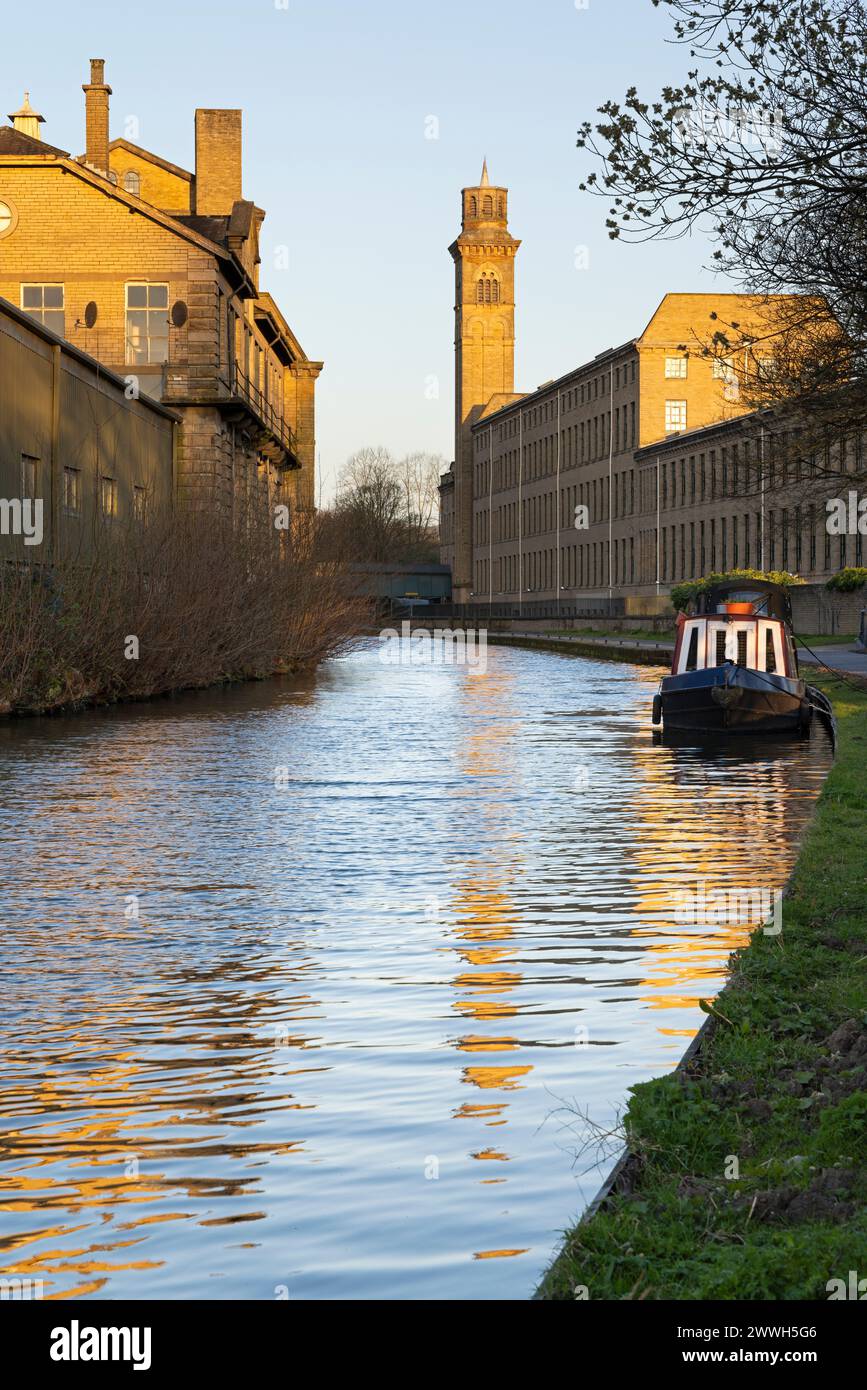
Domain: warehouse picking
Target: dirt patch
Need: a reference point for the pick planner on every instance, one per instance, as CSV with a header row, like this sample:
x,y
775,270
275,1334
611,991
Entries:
x,y
823,1200
849,1041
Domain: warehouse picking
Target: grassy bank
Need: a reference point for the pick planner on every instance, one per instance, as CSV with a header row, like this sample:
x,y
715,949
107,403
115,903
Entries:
x,y
778,1083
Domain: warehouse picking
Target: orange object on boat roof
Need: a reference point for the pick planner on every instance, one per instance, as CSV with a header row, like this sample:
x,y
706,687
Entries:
x,y
739,607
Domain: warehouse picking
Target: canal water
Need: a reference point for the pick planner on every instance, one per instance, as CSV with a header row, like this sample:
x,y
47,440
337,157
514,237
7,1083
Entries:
x,y
319,987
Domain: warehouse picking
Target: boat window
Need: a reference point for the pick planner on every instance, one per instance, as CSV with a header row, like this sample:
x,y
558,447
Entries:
x,y
692,654
720,648
742,647
770,653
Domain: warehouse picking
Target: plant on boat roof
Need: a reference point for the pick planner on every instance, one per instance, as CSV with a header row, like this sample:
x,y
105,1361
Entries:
x,y
682,595
845,580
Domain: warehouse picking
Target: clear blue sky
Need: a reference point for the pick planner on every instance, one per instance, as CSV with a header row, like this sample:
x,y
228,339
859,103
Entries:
x,y
336,96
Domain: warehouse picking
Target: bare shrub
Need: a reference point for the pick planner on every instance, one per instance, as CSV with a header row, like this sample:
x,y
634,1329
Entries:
x,y
189,600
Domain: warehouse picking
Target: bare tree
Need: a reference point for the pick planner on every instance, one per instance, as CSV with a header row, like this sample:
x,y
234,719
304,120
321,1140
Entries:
x,y
370,506
385,509
419,476
764,146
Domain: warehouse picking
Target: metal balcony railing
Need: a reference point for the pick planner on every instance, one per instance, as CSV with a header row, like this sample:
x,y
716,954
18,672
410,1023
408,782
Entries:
x,y
231,387
244,389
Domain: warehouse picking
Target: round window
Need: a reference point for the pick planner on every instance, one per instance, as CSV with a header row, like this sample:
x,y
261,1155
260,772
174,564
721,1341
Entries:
x,y
8,218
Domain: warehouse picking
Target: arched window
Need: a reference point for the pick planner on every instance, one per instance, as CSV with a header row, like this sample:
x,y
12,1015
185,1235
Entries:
x,y
488,206
487,289
474,207
132,182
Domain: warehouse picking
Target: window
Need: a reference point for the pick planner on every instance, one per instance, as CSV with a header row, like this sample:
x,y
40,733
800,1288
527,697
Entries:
x,y
72,491
45,304
132,182
488,206
722,368
675,416
675,367
139,502
108,496
8,219
487,289
29,476
147,324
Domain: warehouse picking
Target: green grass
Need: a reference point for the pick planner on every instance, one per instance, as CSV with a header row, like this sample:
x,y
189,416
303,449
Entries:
x,y
814,639
767,1089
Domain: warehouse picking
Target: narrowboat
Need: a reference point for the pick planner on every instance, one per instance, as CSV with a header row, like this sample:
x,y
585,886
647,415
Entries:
x,y
735,666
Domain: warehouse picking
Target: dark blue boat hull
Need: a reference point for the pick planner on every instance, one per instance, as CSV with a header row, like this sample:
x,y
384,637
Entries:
x,y
734,698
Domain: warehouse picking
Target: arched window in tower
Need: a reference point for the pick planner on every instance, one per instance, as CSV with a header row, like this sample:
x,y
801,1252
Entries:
x,y
502,207
488,206
487,289
474,207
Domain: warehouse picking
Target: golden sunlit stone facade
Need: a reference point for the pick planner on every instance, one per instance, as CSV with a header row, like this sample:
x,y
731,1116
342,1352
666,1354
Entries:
x,y
155,271
548,499
484,257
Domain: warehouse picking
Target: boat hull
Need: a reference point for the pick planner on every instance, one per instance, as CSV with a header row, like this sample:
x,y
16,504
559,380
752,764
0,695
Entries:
x,y
731,698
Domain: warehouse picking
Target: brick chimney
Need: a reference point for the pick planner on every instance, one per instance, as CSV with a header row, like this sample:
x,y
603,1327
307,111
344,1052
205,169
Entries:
x,y
218,162
96,95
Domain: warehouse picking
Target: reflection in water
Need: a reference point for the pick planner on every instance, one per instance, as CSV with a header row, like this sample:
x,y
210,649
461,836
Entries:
x,y
242,1010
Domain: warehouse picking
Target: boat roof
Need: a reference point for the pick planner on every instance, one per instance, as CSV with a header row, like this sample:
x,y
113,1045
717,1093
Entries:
x,y
776,602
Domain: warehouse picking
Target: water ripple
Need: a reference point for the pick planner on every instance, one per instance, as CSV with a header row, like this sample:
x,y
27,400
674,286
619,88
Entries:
x,y
263,947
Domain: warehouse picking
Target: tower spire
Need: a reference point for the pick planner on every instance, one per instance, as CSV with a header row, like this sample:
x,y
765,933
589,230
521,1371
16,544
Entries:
x,y
484,257
26,119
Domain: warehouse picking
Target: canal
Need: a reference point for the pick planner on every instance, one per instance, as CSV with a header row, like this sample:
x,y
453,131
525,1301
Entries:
x,y
311,988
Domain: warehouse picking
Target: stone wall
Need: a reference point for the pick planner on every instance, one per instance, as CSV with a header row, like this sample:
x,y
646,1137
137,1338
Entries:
x,y
69,426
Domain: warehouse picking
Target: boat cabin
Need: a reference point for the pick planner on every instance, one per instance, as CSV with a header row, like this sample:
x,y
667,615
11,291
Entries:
x,y
748,624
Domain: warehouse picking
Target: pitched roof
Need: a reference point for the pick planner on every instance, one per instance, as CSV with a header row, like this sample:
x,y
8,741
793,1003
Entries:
x,y
14,141
214,228
219,228
142,153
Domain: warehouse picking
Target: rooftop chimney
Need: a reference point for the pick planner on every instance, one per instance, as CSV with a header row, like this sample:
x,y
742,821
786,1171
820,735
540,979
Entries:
x,y
26,119
218,162
96,95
